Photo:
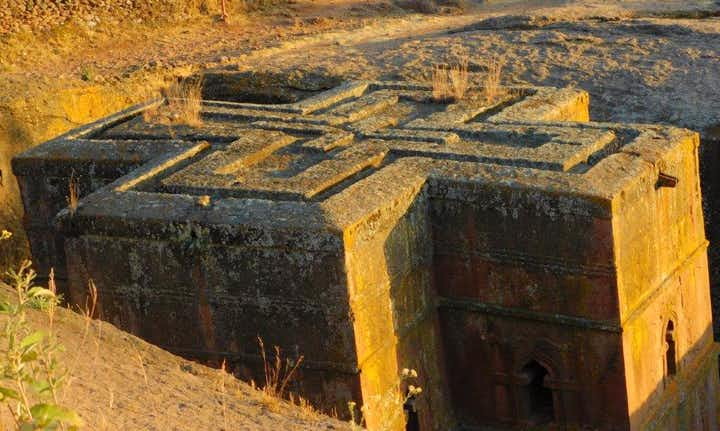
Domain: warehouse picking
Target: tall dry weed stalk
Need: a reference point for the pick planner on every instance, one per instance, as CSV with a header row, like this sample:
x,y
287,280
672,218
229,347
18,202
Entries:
x,y
278,373
223,11
73,196
52,305
449,84
90,302
223,394
182,107
87,312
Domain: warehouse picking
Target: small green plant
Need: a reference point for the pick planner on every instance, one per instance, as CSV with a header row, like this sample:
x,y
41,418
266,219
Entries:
x,y
47,304
192,238
31,374
87,73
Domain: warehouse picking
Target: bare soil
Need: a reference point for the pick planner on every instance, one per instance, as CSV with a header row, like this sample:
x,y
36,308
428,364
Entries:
x,y
642,61
119,382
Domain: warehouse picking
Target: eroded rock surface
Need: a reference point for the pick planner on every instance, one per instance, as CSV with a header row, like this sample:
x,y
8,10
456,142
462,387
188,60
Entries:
x,y
370,228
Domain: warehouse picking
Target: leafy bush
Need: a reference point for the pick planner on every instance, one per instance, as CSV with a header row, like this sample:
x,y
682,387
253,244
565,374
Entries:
x,y
31,374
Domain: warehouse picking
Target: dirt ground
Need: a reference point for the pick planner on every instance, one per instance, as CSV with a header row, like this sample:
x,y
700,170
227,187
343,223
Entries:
x,y
118,382
641,61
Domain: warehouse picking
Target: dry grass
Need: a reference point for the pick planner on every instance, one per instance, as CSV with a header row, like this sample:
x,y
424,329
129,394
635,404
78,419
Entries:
x,y
87,312
90,303
73,196
223,394
449,84
127,384
307,409
44,20
492,90
440,84
278,373
223,11
182,107
152,407
459,78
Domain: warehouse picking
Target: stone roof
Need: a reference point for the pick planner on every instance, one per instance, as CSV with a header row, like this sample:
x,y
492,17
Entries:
x,y
333,157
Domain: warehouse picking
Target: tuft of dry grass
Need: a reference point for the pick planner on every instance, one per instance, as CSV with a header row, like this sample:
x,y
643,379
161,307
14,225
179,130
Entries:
x,y
182,107
459,78
278,373
307,409
440,84
449,84
492,90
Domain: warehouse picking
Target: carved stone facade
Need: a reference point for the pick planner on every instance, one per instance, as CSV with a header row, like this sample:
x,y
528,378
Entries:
x,y
538,270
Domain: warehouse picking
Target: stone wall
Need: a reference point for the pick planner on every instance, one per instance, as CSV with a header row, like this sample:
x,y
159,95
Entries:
x,y
521,277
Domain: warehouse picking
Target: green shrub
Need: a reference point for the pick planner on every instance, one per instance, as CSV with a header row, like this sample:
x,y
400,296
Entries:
x,y
31,374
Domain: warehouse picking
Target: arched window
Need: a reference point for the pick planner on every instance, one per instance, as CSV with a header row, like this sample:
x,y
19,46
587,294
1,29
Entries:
x,y
670,350
538,396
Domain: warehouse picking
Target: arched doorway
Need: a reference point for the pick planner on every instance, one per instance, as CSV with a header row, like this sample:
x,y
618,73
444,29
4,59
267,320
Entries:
x,y
538,397
670,350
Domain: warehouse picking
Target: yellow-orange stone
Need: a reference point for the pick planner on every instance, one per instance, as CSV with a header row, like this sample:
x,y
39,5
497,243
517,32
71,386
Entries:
x,y
537,270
